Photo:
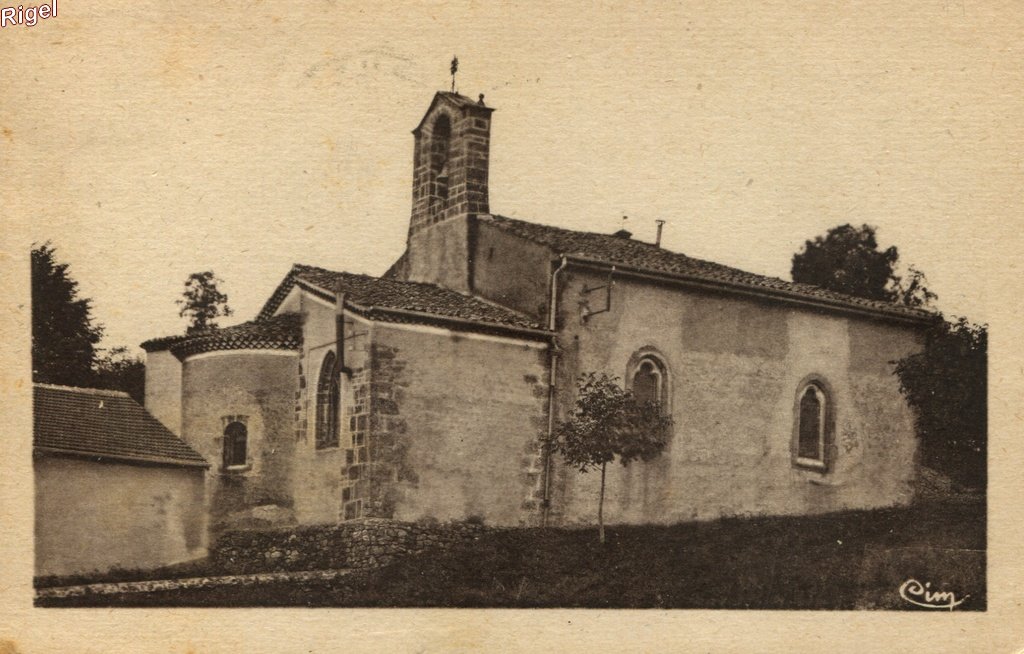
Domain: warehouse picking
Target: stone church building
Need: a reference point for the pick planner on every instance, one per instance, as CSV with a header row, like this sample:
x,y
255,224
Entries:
x,y
425,392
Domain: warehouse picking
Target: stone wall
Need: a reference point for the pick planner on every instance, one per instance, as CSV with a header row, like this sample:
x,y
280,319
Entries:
x,y
363,543
512,271
456,421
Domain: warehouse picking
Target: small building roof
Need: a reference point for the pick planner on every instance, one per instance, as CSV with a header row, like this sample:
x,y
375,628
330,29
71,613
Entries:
x,y
626,252
393,300
105,424
282,332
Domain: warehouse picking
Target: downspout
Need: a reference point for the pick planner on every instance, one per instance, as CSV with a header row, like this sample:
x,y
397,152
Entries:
x,y
339,332
553,365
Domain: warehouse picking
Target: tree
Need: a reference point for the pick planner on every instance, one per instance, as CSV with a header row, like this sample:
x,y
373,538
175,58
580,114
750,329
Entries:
x,y
912,291
947,385
119,371
607,422
64,336
847,260
203,302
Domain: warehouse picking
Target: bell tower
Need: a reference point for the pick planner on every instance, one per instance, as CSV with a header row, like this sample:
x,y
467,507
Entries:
x,y
449,188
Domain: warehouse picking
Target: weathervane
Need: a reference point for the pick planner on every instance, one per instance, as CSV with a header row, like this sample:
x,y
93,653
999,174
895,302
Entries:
x,y
455,69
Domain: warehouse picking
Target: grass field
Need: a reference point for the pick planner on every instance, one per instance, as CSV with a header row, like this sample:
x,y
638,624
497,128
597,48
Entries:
x,y
849,560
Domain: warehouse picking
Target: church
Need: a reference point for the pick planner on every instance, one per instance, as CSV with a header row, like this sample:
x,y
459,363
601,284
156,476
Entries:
x,y
425,393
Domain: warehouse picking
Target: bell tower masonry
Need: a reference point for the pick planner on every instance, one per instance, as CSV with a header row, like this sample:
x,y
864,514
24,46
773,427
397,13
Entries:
x,y
449,189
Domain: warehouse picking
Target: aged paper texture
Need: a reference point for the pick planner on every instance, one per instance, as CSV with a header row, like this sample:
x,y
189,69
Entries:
x,y
149,140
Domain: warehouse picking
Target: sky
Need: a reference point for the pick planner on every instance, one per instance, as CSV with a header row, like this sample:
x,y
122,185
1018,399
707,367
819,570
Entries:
x,y
151,140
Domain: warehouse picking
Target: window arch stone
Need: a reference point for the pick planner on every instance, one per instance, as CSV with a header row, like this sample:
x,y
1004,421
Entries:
x,y
648,378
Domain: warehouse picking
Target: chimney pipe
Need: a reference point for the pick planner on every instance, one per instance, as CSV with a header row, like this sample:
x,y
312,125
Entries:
x,y
657,239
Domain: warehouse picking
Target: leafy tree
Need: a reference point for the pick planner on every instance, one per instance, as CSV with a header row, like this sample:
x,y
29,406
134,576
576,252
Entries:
x,y
607,422
911,291
947,385
847,260
203,302
64,336
119,371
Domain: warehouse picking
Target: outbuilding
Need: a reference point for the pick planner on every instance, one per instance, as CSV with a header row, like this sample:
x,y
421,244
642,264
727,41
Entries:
x,y
113,487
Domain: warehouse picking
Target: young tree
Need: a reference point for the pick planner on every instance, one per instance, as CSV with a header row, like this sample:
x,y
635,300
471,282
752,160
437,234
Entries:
x,y
64,336
203,302
947,385
607,422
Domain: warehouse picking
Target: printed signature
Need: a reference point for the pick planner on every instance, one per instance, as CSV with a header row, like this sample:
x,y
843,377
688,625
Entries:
x,y
920,594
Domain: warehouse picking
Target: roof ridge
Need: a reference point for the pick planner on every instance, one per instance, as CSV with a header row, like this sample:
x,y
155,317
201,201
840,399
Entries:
x,y
82,390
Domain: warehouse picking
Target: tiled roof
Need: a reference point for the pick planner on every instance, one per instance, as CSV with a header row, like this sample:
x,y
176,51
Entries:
x,y
282,332
641,256
378,295
108,424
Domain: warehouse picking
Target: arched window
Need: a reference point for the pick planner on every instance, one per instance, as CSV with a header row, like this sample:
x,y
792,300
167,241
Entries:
x,y
648,379
235,444
327,398
813,437
647,382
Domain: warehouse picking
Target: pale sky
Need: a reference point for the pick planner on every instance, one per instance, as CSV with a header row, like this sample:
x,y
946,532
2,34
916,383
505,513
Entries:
x,y
149,140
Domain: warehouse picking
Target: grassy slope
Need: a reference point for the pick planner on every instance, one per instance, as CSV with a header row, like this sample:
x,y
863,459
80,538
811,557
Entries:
x,y
848,560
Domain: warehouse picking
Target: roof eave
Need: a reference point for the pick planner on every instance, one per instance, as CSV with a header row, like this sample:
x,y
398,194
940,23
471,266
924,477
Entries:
x,y
101,457
466,324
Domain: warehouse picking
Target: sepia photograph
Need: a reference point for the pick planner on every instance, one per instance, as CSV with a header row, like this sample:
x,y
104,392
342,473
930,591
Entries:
x,y
588,308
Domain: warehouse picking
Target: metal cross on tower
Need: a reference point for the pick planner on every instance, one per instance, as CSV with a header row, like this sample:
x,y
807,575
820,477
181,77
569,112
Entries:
x,y
455,69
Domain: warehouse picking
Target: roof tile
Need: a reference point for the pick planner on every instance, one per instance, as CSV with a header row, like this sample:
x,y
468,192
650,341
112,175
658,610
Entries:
x,y
283,332
379,293
110,424
627,252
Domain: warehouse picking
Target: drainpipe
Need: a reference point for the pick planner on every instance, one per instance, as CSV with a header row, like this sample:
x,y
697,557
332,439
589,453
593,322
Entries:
x,y
553,365
339,332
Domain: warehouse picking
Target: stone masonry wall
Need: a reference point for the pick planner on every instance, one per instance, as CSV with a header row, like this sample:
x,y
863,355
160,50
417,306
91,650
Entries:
x,y
455,426
363,543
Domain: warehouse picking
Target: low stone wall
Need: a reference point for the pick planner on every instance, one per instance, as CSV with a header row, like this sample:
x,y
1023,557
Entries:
x,y
366,543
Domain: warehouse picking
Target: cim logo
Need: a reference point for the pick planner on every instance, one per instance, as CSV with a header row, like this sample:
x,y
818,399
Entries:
x,y
27,16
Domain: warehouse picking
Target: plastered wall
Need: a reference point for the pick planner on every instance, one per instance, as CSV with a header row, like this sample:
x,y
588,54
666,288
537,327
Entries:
x,y
257,389
735,366
163,389
115,514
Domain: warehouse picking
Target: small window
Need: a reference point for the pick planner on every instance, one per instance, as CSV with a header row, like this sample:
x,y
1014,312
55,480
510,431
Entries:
x,y
236,439
812,440
328,395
